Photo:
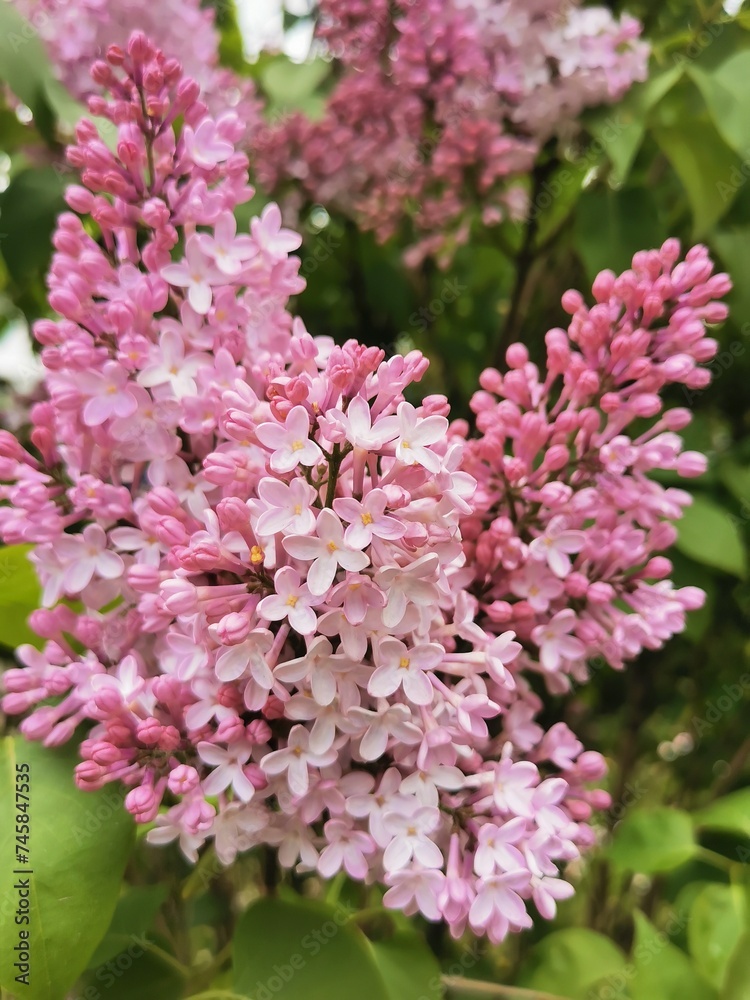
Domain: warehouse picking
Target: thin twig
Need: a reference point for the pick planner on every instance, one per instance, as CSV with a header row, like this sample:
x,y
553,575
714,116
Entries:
x,y
479,988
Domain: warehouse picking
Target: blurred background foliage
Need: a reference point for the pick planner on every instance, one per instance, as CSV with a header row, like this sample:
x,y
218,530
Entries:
x,y
662,910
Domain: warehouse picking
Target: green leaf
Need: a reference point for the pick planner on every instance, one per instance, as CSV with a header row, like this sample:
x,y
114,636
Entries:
x,y
709,534
737,982
135,912
79,845
19,596
734,247
573,960
408,967
730,813
611,226
621,130
653,840
716,925
663,971
28,212
23,60
705,165
724,90
301,950
133,973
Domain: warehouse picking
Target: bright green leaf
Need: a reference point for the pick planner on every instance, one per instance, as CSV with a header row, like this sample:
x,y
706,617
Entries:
x,y
572,962
736,478
23,60
611,226
621,130
716,925
79,845
301,950
653,840
133,974
19,595
737,982
724,90
704,164
28,213
730,813
734,248
135,912
662,970
408,968
709,534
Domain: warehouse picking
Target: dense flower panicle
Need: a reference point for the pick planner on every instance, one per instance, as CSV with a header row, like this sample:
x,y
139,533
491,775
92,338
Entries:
x,y
566,524
77,32
441,105
293,630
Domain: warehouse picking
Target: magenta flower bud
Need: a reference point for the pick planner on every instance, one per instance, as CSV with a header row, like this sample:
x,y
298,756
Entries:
x,y
662,536
183,779
144,579
143,803
691,464
600,799
590,766
105,753
149,732
255,775
572,301
198,816
229,730
657,568
677,419
17,704
576,585
579,811
691,598
89,775
179,596
108,701
258,731
233,628
61,733
601,593
557,457
170,739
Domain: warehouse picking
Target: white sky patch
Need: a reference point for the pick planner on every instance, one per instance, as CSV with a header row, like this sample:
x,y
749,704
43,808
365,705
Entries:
x,y
261,23
18,364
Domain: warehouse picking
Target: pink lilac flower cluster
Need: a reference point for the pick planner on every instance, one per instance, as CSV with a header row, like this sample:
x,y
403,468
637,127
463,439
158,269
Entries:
x,y
76,32
567,525
264,571
441,105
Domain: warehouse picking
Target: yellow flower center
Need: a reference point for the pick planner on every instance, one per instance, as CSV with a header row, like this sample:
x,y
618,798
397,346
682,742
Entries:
x,y
256,555
403,663
292,600
366,518
297,445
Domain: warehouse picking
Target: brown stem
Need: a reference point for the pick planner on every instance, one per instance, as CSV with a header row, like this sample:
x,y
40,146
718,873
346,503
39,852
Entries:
x,y
478,988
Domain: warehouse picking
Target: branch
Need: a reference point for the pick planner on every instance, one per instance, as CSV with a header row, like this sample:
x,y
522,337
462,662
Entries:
x,y
479,988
